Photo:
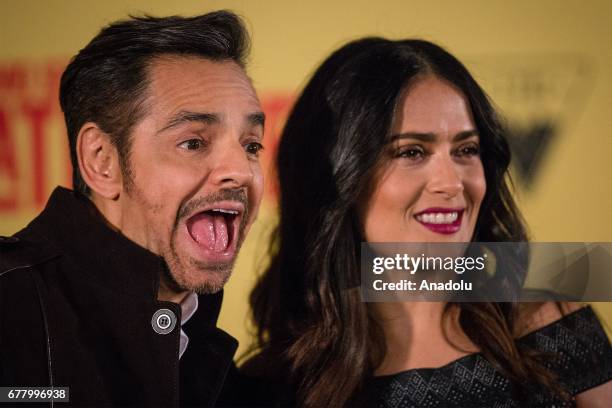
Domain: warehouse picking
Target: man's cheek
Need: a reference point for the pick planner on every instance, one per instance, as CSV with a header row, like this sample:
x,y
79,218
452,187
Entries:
x,y
258,189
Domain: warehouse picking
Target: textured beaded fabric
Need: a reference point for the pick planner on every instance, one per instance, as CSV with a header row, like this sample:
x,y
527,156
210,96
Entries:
x,y
581,358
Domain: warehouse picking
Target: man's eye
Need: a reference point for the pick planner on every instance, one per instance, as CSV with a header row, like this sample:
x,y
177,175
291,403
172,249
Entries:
x,y
192,144
254,148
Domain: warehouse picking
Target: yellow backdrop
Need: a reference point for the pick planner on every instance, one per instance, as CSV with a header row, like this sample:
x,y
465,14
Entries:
x,y
545,63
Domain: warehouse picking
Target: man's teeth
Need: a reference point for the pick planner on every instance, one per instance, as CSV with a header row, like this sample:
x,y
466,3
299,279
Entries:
x,y
438,218
222,210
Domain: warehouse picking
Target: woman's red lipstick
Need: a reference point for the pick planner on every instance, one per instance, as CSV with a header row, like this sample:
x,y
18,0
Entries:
x,y
441,220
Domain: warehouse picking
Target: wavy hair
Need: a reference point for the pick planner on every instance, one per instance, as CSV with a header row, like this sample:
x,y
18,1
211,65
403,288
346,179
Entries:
x,y
312,327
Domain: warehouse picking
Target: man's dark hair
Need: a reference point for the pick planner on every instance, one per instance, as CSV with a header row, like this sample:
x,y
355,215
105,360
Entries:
x,y
106,81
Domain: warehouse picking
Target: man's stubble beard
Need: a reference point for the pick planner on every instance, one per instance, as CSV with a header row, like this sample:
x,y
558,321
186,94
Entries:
x,y
215,274
174,275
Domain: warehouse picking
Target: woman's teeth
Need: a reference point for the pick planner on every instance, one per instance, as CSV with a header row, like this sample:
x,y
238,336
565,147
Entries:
x,y
438,218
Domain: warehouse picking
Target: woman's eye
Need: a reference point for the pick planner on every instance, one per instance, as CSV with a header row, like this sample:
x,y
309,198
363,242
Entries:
x,y
469,150
253,148
410,153
192,144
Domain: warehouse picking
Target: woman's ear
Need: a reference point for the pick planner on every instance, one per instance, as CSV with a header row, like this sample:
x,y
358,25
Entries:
x,y
99,161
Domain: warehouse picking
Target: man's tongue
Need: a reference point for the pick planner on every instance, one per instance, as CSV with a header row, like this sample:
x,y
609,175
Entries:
x,y
209,230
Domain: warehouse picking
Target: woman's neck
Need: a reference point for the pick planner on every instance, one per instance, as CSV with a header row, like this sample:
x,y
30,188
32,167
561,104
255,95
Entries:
x,y
420,334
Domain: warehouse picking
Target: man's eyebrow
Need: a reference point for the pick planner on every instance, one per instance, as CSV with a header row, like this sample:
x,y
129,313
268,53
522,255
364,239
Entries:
x,y
186,116
431,137
257,119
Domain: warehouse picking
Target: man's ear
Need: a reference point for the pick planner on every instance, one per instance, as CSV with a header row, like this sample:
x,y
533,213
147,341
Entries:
x,y
99,161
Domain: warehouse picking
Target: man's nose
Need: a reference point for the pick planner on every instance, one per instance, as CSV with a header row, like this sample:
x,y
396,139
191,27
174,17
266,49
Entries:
x,y
232,168
445,177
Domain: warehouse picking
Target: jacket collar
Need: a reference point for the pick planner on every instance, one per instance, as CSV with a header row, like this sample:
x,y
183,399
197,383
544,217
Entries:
x,y
72,224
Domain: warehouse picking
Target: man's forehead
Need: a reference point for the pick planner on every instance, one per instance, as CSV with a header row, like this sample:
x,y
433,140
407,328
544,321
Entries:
x,y
190,79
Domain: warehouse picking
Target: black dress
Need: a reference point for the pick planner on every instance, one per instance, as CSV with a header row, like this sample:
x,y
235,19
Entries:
x,y
583,360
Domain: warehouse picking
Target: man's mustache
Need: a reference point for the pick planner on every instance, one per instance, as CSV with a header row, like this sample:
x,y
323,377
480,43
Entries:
x,y
191,206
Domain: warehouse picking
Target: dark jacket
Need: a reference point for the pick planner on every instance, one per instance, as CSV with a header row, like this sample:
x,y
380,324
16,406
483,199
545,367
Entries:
x,y
76,306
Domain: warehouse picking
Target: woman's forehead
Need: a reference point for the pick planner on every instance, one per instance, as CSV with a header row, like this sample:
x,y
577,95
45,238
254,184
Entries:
x,y
434,106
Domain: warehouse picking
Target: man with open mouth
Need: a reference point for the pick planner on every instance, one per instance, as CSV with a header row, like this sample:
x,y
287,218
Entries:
x,y
114,289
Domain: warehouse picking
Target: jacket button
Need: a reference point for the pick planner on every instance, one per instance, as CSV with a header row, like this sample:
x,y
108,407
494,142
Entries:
x,y
8,240
163,321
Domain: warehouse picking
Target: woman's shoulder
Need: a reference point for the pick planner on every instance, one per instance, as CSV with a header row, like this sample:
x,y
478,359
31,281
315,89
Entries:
x,y
560,319
534,316
562,327
573,341
568,338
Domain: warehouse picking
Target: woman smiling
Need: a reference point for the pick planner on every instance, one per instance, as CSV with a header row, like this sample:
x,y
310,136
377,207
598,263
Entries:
x,y
394,141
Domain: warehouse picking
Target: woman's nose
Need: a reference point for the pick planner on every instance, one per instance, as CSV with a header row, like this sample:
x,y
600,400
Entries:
x,y
445,177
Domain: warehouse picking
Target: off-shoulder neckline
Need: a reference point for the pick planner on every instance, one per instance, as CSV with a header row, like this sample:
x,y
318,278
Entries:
x,y
467,357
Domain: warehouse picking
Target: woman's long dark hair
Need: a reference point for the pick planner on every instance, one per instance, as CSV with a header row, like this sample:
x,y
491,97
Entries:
x,y
313,329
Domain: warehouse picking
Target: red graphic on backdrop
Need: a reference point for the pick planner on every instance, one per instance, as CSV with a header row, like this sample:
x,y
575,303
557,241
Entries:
x,y
8,167
28,99
29,104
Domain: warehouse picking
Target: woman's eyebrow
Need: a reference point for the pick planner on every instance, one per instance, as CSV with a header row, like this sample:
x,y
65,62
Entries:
x,y
466,134
423,137
431,137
